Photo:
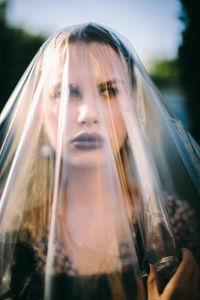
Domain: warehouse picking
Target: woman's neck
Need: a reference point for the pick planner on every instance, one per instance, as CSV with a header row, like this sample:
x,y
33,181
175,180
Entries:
x,y
88,199
88,187
91,220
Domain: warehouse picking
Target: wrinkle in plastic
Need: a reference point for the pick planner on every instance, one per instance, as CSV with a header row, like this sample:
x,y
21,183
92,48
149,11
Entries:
x,y
84,162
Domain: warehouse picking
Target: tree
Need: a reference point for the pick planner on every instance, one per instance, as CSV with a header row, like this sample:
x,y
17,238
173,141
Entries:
x,y
189,61
17,48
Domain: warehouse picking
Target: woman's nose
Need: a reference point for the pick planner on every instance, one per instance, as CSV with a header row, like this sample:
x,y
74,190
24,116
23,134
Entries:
x,y
87,114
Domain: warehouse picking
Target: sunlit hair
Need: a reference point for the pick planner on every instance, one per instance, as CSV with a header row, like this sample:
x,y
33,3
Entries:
x,y
37,215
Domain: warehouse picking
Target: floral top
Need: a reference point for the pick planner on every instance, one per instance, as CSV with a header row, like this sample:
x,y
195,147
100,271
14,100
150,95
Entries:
x,y
28,268
185,226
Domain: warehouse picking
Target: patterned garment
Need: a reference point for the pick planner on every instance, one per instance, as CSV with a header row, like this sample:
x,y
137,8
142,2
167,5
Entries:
x,y
184,223
185,227
29,263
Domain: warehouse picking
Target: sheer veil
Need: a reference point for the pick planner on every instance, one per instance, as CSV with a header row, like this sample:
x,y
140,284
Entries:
x,y
95,174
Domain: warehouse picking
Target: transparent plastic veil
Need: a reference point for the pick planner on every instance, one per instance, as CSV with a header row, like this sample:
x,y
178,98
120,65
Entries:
x,y
89,156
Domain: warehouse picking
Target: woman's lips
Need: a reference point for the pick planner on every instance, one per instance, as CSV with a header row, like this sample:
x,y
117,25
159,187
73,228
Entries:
x,y
88,141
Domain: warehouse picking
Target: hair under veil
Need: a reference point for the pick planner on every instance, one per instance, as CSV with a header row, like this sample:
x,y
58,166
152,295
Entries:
x,y
89,160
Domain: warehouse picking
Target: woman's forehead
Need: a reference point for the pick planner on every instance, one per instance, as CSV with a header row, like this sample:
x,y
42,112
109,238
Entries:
x,y
98,61
94,57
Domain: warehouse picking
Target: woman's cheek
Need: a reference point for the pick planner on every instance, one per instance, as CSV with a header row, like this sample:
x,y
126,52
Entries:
x,y
121,131
116,129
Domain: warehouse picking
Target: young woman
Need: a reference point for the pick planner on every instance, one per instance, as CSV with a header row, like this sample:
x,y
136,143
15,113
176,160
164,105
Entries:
x,y
82,191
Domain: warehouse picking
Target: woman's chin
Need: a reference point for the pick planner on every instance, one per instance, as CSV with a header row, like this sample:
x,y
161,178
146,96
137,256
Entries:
x,y
85,159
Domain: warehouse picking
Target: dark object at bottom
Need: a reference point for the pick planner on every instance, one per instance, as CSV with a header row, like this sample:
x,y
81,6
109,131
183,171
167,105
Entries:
x,y
166,268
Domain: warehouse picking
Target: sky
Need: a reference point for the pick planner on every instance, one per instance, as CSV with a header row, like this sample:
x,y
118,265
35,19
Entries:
x,y
152,26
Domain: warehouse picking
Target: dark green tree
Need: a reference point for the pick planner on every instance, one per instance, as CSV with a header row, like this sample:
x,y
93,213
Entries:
x,y
17,48
189,61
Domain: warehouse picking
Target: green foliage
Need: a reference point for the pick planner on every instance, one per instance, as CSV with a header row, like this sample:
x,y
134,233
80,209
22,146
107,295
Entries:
x,y
164,71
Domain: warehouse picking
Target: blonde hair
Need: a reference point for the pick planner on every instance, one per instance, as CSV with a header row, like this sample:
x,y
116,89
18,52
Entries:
x,y
37,213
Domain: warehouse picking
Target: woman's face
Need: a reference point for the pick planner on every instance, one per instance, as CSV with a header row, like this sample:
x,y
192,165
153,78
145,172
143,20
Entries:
x,y
85,93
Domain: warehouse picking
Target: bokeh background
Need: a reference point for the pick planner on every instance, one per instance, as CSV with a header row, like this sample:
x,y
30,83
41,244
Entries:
x,y
165,34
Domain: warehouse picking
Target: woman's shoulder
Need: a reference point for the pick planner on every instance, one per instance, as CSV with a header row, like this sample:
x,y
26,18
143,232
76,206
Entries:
x,y
36,253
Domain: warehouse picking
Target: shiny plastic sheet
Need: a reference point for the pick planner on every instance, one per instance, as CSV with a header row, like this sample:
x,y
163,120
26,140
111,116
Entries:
x,y
89,160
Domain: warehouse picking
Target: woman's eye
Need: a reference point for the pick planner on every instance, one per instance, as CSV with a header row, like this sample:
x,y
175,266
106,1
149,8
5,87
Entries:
x,y
57,93
109,91
74,92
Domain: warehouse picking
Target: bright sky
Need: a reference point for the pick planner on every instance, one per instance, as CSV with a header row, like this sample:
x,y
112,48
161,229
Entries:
x,y
152,26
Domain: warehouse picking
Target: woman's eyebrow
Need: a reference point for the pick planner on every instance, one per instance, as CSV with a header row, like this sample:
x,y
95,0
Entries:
x,y
110,82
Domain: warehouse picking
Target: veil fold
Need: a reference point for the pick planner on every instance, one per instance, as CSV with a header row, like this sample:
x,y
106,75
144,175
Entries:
x,y
98,178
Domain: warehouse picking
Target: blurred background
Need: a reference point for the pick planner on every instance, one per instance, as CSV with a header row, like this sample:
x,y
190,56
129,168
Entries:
x,y
165,35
